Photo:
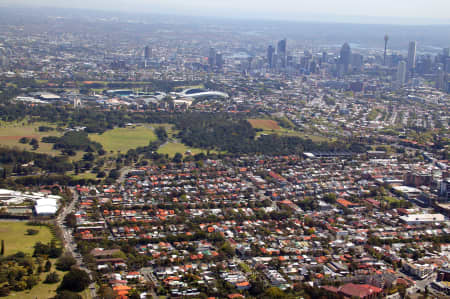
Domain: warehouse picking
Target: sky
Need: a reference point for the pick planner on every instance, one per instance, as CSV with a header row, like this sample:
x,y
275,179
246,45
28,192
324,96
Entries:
x,y
354,11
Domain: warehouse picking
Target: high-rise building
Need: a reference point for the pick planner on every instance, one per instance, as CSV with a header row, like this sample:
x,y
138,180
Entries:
x,y
147,52
401,72
219,60
345,56
446,52
270,52
324,57
441,80
357,61
386,39
411,56
445,58
212,57
281,52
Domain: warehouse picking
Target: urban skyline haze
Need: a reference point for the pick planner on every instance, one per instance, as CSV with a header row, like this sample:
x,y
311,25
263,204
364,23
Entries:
x,y
352,11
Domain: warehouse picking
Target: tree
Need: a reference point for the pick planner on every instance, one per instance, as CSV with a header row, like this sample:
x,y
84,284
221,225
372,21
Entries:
x,y
106,292
4,291
177,158
71,220
48,266
227,250
52,277
31,281
67,295
274,293
65,262
34,142
76,280
32,232
24,140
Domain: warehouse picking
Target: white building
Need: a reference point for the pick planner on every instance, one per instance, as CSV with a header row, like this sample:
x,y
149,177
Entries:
x,y
415,219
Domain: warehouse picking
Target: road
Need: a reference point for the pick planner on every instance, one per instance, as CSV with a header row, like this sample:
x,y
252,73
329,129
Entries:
x,y
69,242
123,173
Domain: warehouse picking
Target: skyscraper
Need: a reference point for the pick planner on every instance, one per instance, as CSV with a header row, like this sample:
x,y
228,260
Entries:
x,y
445,58
401,72
281,52
270,52
386,38
411,56
219,60
212,57
324,57
344,59
147,52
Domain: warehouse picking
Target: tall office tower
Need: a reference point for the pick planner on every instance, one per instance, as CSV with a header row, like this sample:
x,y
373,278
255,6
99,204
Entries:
x,y
386,38
445,58
147,52
401,72
281,52
270,52
411,56
357,61
219,60
441,79
212,57
324,56
344,59
275,61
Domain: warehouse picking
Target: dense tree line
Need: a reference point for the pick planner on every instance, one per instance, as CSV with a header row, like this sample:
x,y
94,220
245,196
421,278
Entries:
x,y
16,158
73,141
236,135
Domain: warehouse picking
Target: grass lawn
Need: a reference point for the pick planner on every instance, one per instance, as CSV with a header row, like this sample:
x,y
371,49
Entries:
x,y
84,175
264,124
12,132
171,132
16,238
287,132
43,290
124,139
171,148
181,88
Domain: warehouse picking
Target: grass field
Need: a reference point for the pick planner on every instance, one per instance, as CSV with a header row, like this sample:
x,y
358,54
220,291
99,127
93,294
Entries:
x,y
16,239
124,139
181,88
264,124
84,175
171,148
12,132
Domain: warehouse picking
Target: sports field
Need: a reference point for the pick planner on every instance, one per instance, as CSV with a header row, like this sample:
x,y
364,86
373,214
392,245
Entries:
x,y
171,148
264,124
12,132
14,234
124,139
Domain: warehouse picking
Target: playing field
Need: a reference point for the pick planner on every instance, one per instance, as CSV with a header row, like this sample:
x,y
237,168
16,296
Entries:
x,y
14,234
12,132
265,124
124,139
171,148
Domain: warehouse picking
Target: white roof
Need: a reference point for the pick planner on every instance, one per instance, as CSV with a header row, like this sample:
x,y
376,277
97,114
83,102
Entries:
x,y
423,218
45,210
47,201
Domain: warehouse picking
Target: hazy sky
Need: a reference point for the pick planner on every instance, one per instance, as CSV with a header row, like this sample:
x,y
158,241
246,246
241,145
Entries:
x,y
398,11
